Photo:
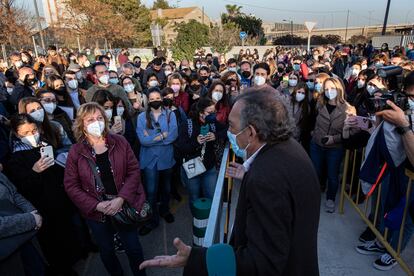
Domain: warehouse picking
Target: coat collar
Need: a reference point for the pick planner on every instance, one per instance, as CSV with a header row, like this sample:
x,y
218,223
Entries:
x,y
86,148
337,112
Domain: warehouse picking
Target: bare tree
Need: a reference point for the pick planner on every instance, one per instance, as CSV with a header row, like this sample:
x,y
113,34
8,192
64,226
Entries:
x,y
93,20
16,25
223,38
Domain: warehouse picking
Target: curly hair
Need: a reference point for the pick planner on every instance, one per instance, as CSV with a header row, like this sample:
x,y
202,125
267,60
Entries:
x,y
268,114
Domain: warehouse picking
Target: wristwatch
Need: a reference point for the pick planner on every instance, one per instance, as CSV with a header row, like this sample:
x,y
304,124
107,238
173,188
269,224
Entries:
x,y
403,130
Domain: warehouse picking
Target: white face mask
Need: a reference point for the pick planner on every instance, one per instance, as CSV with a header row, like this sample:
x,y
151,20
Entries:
x,y
10,90
104,79
364,66
167,73
120,111
78,75
73,84
96,128
292,82
31,140
49,107
233,69
87,63
360,83
108,113
411,103
355,72
331,94
153,83
300,97
18,64
217,96
371,89
129,88
259,80
38,115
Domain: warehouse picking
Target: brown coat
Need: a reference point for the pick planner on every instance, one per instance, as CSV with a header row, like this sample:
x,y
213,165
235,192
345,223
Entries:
x,y
330,124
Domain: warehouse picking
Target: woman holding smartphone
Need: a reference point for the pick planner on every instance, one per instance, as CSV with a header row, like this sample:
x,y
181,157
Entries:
x,y
326,149
197,139
40,180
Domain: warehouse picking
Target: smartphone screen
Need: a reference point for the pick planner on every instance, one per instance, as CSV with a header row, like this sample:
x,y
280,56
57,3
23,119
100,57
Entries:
x,y
204,130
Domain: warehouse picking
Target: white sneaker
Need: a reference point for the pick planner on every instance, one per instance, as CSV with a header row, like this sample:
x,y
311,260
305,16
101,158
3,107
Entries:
x,y
330,206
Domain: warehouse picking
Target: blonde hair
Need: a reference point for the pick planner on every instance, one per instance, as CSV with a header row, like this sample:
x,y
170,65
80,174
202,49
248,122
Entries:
x,y
340,89
322,77
83,111
174,76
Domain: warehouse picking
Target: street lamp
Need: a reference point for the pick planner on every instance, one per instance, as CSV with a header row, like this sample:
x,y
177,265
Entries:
x,y
291,30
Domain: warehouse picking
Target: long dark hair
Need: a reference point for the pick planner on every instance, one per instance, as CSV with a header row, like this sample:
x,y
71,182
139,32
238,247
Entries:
x,y
199,107
125,116
102,96
19,119
304,105
67,100
50,134
148,111
225,101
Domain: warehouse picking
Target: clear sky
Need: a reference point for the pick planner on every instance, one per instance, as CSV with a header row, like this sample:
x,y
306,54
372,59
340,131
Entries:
x,y
327,13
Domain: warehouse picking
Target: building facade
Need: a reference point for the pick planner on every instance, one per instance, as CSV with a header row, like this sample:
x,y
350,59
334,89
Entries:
x,y
173,17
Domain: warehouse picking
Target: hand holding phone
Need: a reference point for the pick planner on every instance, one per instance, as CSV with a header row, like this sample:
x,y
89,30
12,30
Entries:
x,y
362,122
204,130
117,120
46,152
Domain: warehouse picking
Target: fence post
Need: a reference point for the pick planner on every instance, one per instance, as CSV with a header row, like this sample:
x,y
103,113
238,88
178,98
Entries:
x,y
344,176
35,47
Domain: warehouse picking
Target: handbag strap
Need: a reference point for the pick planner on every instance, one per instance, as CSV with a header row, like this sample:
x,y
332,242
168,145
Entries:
x,y
203,151
98,180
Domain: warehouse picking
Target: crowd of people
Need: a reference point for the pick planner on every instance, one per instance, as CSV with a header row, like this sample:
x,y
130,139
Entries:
x,y
120,133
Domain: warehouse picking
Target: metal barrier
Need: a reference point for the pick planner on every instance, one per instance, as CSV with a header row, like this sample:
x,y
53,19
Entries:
x,y
222,213
350,168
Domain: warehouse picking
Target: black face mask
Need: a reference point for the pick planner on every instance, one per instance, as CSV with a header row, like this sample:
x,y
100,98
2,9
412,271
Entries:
x,y
60,91
30,82
155,104
211,118
280,69
209,61
203,78
167,102
138,64
195,87
246,74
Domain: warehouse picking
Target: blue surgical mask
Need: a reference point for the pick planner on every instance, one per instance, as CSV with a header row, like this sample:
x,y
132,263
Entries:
x,y
242,153
318,87
296,67
311,85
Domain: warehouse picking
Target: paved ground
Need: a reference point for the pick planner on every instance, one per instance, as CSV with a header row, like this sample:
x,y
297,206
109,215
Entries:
x,y
338,235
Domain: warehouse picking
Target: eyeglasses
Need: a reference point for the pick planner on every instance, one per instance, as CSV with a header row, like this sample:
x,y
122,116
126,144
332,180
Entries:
x,y
46,100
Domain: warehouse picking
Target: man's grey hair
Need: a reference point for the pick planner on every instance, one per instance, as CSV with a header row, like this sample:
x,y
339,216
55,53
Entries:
x,y
268,114
127,66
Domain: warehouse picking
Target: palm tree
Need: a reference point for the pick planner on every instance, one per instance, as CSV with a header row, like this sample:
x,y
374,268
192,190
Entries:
x,y
233,10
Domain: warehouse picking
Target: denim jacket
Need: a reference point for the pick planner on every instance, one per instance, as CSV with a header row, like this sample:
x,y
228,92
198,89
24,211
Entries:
x,y
157,153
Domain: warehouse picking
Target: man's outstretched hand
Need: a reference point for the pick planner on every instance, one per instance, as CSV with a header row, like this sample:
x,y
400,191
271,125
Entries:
x,y
178,260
